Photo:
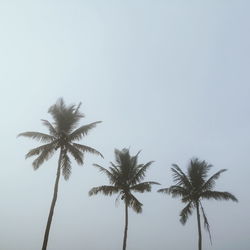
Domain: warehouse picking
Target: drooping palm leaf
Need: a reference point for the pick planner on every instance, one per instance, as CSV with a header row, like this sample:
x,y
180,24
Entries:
x,y
186,212
206,224
38,136
76,153
45,155
218,195
66,166
39,150
106,190
133,202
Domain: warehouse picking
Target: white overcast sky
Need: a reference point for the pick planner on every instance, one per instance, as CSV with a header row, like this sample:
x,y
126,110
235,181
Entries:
x,y
170,78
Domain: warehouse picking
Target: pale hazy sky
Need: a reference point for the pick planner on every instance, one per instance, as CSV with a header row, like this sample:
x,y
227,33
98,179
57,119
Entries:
x,y
168,77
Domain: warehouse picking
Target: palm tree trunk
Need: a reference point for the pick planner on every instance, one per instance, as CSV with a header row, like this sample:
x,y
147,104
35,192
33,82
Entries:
x,y
126,227
199,226
53,203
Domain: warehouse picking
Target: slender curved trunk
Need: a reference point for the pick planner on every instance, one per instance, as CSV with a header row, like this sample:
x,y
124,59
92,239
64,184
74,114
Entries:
x,y
53,203
126,227
199,226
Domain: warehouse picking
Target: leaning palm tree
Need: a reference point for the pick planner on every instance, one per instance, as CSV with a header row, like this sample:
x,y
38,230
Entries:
x,y
193,187
62,136
125,177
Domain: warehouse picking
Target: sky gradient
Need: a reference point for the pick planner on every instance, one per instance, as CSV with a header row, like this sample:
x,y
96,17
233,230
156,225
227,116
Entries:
x,y
170,78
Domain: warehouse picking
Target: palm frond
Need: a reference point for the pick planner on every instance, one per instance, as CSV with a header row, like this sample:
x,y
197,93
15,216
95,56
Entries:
x,y
134,159
82,131
143,186
117,175
66,166
133,202
66,117
88,149
39,150
106,172
197,172
175,191
106,190
218,195
77,109
163,190
38,136
76,153
206,224
186,212
203,166
120,154
52,130
115,170
180,177
141,172
45,154
210,183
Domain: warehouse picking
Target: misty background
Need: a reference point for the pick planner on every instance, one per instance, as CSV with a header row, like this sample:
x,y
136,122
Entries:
x,y
170,78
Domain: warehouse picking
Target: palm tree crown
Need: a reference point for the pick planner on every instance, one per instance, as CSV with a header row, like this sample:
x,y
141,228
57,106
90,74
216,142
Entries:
x,y
195,186
125,177
62,135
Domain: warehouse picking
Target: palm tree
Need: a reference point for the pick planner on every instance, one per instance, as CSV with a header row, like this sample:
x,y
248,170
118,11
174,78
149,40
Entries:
x,y
192,188
125,177
62,135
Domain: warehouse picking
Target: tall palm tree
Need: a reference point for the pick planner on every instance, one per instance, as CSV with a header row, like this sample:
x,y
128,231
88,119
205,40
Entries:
x,y
125,177
63,133
193,187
